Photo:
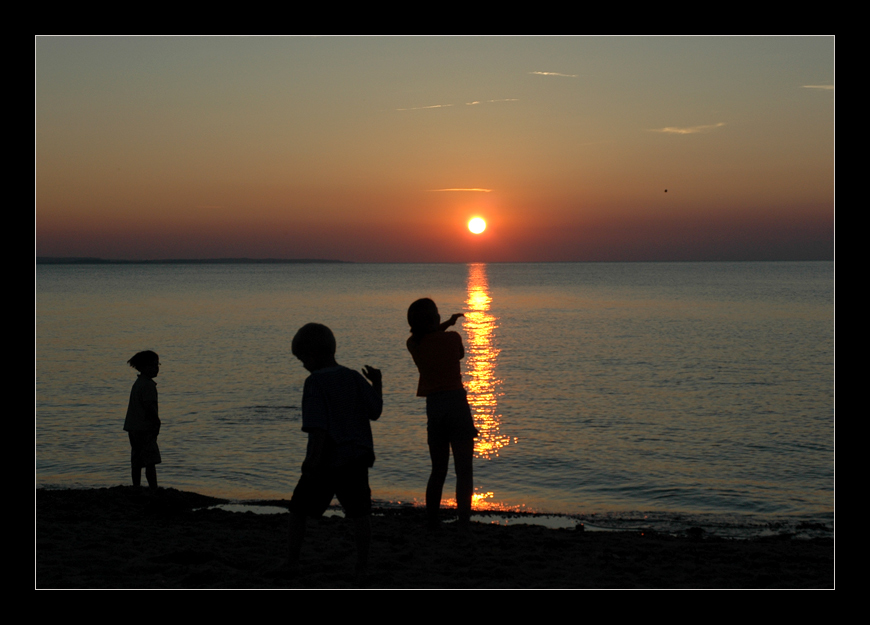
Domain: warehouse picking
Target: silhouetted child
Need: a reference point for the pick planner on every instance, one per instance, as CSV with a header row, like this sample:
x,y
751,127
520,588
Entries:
x,y
437,353
337,405
142,423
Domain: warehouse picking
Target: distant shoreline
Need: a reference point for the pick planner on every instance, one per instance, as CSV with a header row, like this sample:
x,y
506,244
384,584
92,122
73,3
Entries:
x,y
72,260
52,260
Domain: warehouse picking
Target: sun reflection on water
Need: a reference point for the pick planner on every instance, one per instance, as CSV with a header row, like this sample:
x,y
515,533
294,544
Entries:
x,y
486,502
482,383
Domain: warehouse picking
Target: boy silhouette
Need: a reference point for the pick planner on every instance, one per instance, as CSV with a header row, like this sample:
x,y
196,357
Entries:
x,y
337,405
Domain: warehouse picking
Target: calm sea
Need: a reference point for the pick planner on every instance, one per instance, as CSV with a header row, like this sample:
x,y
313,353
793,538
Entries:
x,y
632,391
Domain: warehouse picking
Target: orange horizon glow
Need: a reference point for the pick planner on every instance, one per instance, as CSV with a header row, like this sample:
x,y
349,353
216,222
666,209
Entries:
x,y
296,147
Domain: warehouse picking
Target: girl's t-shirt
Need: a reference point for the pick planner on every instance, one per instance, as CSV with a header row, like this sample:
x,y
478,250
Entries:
x,y
437,357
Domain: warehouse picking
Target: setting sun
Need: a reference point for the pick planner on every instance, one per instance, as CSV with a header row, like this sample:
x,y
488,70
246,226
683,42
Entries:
x,y
477,225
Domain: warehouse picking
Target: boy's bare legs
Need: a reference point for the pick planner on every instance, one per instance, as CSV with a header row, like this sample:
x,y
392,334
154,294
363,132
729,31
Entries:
x,y
362,534
137,476
463,451
440,455
297,535
362,529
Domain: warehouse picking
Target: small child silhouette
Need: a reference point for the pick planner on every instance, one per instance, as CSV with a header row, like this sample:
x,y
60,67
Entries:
x,y
142,423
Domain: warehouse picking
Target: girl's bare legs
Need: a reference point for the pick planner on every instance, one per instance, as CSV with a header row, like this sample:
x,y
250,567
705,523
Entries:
x,y
440,455
462,465
151,475
462,456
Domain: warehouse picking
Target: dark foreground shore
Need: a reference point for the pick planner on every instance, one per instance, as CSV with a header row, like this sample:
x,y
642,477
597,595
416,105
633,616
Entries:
x,y
124,537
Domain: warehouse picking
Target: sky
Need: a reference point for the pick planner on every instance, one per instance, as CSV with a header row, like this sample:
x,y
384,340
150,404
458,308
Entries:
x,y
381,149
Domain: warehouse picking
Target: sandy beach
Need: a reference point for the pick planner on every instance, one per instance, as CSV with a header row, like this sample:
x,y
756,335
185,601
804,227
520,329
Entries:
x,y
123,537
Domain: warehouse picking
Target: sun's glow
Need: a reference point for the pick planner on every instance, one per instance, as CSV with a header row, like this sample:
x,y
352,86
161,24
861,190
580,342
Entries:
x,y
477,225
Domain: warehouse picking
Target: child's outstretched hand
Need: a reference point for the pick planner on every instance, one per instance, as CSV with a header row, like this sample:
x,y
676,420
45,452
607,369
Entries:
x,y
373,375
453,319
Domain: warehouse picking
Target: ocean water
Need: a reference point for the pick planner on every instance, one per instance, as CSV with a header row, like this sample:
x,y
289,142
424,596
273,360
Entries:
x,y
605,390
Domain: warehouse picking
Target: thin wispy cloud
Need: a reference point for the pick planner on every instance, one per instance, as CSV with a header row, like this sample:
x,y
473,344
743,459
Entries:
x,y
555,74
688,130
420,108
477,190
438,106
490,101
825,87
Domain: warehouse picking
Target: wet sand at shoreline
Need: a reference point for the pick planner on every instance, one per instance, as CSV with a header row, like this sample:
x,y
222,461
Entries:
x,y
123,537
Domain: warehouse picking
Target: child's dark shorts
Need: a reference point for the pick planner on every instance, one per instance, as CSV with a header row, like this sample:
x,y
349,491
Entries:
x,y
449,417
143,449
350,484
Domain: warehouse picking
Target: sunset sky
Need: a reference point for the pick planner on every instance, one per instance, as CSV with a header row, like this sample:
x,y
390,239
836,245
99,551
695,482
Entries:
x,y
382,148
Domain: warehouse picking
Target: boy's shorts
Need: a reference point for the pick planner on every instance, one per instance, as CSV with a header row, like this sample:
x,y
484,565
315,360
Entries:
x,y
449,417
350,484
144,450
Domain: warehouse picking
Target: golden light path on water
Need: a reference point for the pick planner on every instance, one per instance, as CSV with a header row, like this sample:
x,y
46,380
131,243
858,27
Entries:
x,y
480,361
481,380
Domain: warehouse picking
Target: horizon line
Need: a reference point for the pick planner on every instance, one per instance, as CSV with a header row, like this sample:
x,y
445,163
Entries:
x,y
92,260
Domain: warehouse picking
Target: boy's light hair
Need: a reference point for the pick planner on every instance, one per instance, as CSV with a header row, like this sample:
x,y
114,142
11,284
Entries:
x,y
313,339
